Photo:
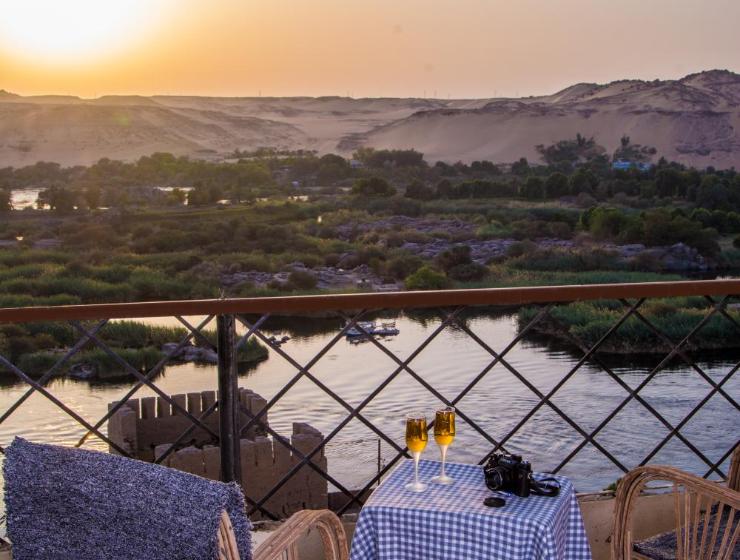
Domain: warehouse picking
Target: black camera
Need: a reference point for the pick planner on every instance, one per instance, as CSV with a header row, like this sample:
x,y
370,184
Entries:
x,y
508,473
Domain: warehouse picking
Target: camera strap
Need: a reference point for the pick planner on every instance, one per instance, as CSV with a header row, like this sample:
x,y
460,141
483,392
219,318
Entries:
x,y
549,487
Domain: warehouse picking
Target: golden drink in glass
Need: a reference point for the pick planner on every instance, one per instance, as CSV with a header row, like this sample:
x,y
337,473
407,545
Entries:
x,y
416,441
444,433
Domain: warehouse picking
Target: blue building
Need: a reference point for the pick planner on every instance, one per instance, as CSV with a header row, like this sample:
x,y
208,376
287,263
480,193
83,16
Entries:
x,y
626,165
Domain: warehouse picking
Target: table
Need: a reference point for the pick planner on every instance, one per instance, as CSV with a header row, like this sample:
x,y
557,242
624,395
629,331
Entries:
x,y
451,522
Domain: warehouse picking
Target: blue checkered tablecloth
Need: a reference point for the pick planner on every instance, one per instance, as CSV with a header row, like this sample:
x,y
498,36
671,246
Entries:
x,y
451,522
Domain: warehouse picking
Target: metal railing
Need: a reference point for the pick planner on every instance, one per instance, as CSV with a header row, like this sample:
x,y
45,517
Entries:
x,y
252,313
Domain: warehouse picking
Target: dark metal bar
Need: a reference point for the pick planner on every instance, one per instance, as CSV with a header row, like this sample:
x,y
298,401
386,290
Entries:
x,y
632,394
522,333
149,375
51,371
722,459
143,378
189,430
80,420
424,383
228,398
198,331
717,308
301,370
546,399
689,416
354,413
228,345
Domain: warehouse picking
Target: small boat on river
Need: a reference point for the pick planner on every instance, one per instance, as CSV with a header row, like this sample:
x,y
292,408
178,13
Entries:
x,y
371,328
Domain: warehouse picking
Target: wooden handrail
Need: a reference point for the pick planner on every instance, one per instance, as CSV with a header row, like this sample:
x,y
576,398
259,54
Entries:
x,y
380,300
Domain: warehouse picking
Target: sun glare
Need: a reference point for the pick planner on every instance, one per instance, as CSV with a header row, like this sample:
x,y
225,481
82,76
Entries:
x,y
74,30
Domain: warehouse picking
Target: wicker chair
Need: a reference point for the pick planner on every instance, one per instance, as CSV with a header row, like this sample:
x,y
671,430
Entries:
x,y
707,521
283,542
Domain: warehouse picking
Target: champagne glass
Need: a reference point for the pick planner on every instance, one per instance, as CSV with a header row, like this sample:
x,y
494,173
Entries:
x,y
416,441
444,433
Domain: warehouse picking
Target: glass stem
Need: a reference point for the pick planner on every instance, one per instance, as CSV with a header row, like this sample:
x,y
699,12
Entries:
x,y
416,455
443,450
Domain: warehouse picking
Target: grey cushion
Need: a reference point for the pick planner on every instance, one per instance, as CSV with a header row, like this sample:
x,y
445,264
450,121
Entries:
x,y
663,546
67,503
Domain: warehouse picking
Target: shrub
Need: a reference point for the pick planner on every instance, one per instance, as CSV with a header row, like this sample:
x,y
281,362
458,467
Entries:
x,y
426,278
457,255
130,334
302,280
469,272
419,191
373,187
402,267
520,248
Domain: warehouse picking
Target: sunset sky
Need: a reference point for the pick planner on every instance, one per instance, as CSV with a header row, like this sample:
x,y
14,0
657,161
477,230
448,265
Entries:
x,y
456,48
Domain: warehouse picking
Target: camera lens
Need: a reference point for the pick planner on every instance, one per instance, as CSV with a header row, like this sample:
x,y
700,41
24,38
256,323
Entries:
x,y
494,478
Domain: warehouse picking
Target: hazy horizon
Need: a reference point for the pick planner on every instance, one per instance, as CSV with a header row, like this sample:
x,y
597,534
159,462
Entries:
x,y
298,96
288,48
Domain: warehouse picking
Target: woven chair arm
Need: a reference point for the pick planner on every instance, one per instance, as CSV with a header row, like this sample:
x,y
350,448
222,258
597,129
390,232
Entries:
x,y
227,549
630,487
284,539
733,477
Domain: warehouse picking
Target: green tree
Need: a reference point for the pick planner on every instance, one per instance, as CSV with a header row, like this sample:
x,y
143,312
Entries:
x,y
59,199
92,196
713,194
668,182
5,201
444,189
520,167
604,223
419,191
556,185
373,187
204,194
533,188
583,181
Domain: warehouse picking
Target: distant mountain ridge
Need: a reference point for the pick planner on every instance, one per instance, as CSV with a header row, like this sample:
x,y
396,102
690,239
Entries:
x,y
693,120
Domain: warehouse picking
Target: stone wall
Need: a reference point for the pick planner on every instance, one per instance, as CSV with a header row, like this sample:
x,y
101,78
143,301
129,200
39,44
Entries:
x,y
264,462
143,424
146,428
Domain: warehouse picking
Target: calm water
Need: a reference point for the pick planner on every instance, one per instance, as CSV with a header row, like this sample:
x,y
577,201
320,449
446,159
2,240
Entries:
x,y
24,198
449,363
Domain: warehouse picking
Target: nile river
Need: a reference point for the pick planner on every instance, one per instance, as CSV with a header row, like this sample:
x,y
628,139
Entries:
x,y
497,403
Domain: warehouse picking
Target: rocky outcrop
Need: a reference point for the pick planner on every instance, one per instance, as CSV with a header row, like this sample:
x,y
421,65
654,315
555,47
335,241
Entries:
x,y
327,277
452,228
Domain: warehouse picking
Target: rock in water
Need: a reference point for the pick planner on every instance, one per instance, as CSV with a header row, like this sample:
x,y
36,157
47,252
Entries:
x,y
190,353
83,372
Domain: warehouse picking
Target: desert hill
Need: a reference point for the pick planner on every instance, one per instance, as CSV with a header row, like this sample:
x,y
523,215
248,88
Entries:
x,y
693,120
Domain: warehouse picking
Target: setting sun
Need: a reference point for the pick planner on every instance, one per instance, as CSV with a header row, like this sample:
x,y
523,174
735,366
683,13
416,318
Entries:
x,y
74,30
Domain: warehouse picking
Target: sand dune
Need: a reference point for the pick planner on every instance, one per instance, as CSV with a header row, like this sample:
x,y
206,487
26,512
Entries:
x,y
693,120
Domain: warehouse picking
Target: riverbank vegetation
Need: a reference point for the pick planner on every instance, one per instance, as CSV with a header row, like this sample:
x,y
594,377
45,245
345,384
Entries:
x,y
585,323
273,222
36,347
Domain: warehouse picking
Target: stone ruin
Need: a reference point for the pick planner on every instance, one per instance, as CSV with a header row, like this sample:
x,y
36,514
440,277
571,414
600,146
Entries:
x,y
146,428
